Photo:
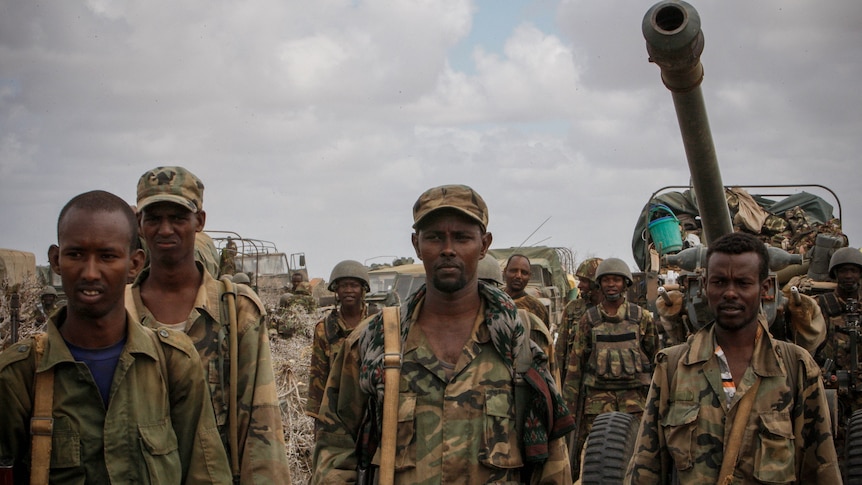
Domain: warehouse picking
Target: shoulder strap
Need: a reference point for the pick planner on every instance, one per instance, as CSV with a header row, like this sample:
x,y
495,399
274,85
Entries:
x,y
525,356
593,315
728,463
229,295
42,421
635,313
831,305
392,376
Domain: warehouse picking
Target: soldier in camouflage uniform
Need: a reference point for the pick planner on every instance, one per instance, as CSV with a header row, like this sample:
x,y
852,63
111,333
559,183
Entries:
x,y
461,340
176,292
349,281
697,388
128,404
517,275
613,348
589,295
845,267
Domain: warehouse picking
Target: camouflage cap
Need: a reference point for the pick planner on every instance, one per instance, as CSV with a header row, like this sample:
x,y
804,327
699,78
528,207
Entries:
x,y
461,198
170,184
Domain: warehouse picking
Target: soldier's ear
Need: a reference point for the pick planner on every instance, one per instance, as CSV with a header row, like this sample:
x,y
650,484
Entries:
x,y
414,239
487,238
765,287
54,258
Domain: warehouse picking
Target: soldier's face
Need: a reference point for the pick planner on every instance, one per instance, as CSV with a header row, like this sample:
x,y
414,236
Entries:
x,y
734,289
847,276
349,291
450,246
613,286
517,274
94,261
170,230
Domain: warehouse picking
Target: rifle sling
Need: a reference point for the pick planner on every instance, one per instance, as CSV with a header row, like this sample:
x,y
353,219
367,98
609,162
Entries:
x,y
392,376
42,422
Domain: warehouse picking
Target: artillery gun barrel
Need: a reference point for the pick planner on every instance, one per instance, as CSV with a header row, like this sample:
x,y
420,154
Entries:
x,y
662,292
675,42
794,292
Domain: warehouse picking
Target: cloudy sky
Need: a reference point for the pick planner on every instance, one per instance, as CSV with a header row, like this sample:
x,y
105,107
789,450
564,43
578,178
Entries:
x,y
316,125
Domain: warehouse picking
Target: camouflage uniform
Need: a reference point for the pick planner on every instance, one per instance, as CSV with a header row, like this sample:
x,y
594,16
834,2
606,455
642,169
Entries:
x,y
171,439
573,312
600,394
458,430
788,436
261,435
533,305
329,335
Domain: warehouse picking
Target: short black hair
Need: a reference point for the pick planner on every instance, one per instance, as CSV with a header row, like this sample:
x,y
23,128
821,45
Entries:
x,y
102,201
740,243
518,255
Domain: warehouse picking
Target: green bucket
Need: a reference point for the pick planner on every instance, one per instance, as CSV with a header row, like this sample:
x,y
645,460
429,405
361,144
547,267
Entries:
x,y
664,229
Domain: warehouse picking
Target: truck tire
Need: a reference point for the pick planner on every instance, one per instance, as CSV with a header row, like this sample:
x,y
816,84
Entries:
x,y
853,448
609,447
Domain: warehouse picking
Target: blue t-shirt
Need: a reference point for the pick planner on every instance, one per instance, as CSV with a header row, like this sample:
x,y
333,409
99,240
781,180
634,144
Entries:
x,y
102,363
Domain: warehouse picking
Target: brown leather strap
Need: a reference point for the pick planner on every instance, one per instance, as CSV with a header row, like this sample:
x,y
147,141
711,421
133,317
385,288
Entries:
x,y
42,422
728,464
392,376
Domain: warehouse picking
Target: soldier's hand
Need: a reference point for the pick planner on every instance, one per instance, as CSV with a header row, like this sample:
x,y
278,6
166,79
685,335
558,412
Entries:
x,y
671,309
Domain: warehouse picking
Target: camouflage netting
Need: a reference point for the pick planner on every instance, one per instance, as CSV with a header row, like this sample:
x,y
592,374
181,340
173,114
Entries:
x,y
792,223
290,360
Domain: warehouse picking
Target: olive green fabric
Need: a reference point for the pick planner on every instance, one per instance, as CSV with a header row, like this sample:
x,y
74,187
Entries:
x,y
788,437
263,458
158,427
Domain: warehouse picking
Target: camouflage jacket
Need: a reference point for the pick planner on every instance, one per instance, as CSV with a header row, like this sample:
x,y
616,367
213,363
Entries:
x,y
458,430
533,305
837,345
158,426
263,457
788,437
573,312
579,370
329,335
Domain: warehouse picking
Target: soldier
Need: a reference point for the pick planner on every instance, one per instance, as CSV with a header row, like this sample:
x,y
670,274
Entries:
x,y
840,307
47,304
589,295
349,281
733,404
120,403
613,348
517,274
176,292
241,279
461,340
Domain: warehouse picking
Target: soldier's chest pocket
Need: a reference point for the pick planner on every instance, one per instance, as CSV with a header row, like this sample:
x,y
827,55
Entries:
x,y
774,458
680,431
65,444
499,447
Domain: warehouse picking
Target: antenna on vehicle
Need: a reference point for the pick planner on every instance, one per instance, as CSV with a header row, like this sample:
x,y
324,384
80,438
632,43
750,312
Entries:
x,y
536,230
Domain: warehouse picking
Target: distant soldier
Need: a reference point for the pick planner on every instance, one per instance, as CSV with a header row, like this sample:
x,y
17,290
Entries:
x,y
733,404
349,281
842,309
47,304
517,275
227,263
589,295
176,292
242,279
610,363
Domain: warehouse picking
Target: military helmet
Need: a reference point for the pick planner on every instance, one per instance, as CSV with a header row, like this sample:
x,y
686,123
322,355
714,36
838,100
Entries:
x,y
587,269
844,256
614,266
349,269
241,278
489,269
48,290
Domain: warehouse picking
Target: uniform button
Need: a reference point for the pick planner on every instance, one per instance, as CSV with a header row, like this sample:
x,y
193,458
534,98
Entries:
x,y
23,348
163,333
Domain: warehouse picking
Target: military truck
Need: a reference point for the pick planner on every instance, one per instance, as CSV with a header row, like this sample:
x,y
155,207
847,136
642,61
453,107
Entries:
x,y
549,282
392,285
268,268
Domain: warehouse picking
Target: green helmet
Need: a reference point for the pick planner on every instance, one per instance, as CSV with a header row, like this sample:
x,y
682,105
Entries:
x,y
844,256
241,278
614,266
349,269
489,269
587,269
48,290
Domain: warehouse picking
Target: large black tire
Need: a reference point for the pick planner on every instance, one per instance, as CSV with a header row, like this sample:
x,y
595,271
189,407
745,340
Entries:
x,y
853,448
608,449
